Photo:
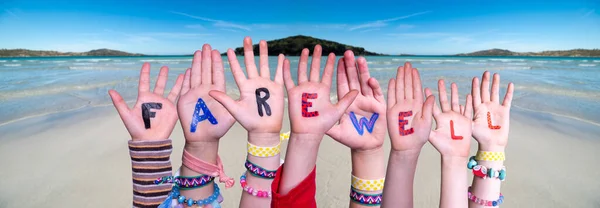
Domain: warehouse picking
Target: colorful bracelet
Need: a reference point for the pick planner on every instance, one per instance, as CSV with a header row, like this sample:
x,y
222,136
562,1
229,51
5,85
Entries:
x,y
251,191
186,183
367,185
259,151
214,200
258,171
484,172
284,136
365,199
483,202
490,156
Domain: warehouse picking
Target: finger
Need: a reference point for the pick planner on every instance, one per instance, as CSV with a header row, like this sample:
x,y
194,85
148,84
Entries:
x,y
468,112
435,110
328,72
119,103
475,92
351,71
249,58
315,65
400,84
344,103
336,133
196,74
485,87
462,109
377,92
236,70
302,64
176,89
342,79
218,73
408,82
264,60
454,98
496,89
186,81
428,108
225,100
509,95
206,64
443,96
417,86
279,70
144,84
364,76
287,76
391,99
161,81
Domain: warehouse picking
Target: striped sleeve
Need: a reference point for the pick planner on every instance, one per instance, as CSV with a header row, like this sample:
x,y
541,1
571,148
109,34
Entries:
x,y
150,160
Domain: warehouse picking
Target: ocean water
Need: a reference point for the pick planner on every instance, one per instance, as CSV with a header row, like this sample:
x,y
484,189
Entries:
x,y
29,87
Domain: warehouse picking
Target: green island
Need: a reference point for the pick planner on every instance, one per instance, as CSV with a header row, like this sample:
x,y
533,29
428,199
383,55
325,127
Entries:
x,y
37,53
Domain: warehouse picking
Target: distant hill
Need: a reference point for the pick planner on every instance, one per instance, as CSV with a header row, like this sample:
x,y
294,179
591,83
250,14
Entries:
x,y
34,53
292,46
569,53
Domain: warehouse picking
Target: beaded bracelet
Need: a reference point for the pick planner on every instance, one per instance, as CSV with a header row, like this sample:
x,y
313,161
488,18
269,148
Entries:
x,y
365,199
484,172
186,183
258,171
490,156
259,151
483,202
367,185
252,191
214,200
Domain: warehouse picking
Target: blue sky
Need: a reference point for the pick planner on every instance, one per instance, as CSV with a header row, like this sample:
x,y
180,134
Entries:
x,y
393,27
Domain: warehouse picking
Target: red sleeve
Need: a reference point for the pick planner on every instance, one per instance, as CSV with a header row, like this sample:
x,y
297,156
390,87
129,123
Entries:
x,y
303,195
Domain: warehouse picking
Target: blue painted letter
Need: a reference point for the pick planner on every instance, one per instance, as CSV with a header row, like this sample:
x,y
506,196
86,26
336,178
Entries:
x,y
196,118
364,123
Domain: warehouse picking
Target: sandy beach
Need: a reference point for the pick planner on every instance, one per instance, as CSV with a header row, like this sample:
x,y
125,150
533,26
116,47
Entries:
x,y
80,159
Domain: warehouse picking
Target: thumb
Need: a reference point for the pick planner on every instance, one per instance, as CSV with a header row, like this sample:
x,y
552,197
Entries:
x,y
118,102
225,100
428,108
345,102
335,132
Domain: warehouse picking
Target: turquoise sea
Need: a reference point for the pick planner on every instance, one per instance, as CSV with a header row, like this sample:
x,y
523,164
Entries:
x,y
30,87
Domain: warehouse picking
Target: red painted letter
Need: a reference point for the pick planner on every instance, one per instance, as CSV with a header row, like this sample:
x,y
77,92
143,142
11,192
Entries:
x,y
489,115
306,104
452,131
402,122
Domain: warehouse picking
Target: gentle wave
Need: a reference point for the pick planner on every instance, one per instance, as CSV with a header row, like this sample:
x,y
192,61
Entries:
x,y
2,61
92,60
52,90
12,65
586,65
507,60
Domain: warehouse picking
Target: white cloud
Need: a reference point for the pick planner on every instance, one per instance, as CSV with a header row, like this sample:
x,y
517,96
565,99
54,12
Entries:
x,y
370,30
199,27
216,23
421,35
405,26
383,23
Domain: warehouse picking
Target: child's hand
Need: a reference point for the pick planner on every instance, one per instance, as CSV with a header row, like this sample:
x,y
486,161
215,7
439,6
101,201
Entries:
x,y
452,135
260,106
409,119
369,106
310,107
153,116
203,118
491,122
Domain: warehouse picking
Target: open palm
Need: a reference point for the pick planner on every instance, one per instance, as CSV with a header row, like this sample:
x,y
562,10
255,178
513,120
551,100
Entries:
x,y
205,75
491,120
369,104
161,114
255,118
452,136
409,119
318,114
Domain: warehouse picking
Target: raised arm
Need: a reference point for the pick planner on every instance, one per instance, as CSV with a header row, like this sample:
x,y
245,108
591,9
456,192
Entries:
x,y
409,125
150,123
362,128
260,111
452,138
490,129
311,115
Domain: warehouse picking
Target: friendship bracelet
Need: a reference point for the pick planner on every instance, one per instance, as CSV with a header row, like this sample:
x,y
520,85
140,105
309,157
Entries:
x,y
259,151
484,172
367,185
483,202
214,200
258,171
365,199
186,183
252,191
490,156
284,136
202,167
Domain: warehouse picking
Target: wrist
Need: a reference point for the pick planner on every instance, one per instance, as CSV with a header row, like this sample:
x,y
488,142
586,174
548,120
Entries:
x,y
368,164
491,148
204,150
452,160
263,139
